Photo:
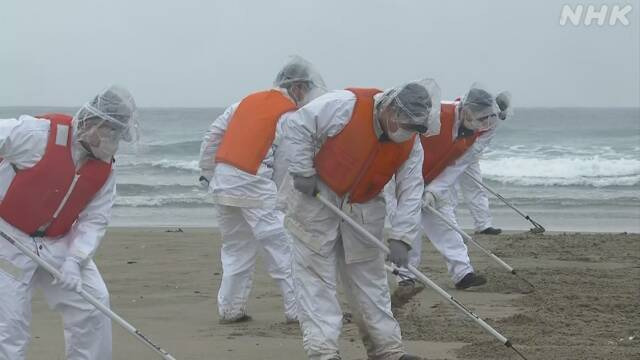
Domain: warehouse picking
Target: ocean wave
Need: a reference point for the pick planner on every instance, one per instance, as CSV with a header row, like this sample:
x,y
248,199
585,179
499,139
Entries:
x,y
558,202
164,201
553,151
129,189
164,164
179,147
595,171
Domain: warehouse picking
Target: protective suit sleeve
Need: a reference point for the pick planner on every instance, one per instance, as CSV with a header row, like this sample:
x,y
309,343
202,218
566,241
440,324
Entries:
x,y
280,153
310,126
92,222
440,185
211,140
390,199
23,141
409,186
6,129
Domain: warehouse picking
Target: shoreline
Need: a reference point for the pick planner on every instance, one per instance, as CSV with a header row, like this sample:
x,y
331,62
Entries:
x,y
571,219
468,230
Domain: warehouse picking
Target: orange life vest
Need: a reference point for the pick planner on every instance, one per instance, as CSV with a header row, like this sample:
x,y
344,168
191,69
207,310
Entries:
x,y
355,161
442,150
252,129
47,198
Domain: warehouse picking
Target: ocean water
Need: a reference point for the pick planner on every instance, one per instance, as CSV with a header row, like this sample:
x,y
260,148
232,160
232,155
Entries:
x,y
571,169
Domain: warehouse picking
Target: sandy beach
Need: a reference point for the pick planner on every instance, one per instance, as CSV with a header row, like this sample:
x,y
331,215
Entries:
x,y
585,304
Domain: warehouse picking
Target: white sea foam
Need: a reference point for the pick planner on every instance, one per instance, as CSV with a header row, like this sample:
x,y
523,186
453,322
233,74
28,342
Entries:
x,y
553,151
189,165
597,171
176,200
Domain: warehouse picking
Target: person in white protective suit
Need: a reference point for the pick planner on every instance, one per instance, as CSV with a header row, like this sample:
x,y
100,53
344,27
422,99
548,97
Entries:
x,y
236,158
57,188
468,127
474,195
476,199
345,145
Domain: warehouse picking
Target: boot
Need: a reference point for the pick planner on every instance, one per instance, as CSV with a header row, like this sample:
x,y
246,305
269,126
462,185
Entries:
x,y
490,231
470,280
406,290
411,357
243,318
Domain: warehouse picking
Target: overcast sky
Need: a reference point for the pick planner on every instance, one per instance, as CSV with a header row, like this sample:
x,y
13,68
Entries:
x,y
212,53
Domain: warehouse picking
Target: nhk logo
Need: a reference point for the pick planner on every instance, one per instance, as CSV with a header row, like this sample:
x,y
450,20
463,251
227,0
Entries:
x,y
588,15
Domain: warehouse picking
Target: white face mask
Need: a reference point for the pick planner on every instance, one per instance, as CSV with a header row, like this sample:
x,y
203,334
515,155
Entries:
x,y
401,135
396,133
105,151
481,122
102,142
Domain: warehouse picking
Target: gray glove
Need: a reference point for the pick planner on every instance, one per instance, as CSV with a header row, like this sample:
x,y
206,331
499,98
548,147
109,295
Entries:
x,y
306,184
398,253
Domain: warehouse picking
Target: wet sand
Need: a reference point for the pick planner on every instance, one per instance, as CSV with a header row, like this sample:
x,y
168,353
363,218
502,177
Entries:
x,y
585,305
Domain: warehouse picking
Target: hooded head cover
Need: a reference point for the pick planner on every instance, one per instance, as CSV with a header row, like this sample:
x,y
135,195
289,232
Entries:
x,y
302,82
479,110
102,122
409,109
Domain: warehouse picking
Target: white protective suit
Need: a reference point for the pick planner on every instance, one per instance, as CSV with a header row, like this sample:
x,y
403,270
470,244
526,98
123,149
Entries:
x,y
475,197
448,242
87,331
326,248
248,221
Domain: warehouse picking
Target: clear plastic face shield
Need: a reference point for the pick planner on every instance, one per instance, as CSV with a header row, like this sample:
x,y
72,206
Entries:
x,y
503,100
396,126
409,109
479,120
101,123
302,82
479,110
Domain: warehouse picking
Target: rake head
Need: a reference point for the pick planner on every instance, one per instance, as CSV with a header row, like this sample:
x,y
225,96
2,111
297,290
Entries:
x,y
537,230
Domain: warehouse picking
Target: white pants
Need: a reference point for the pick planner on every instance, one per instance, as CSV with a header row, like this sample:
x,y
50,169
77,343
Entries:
x,y
476,197
87,332
320,314
446,240
244,232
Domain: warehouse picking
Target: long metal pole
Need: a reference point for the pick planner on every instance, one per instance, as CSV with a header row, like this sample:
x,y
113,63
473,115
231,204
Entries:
x,y
468,237
420,275
90,299
537,229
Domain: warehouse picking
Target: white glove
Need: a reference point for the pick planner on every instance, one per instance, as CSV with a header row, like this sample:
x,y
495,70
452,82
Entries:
x,y
428,198
204,182
205,178
71,278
